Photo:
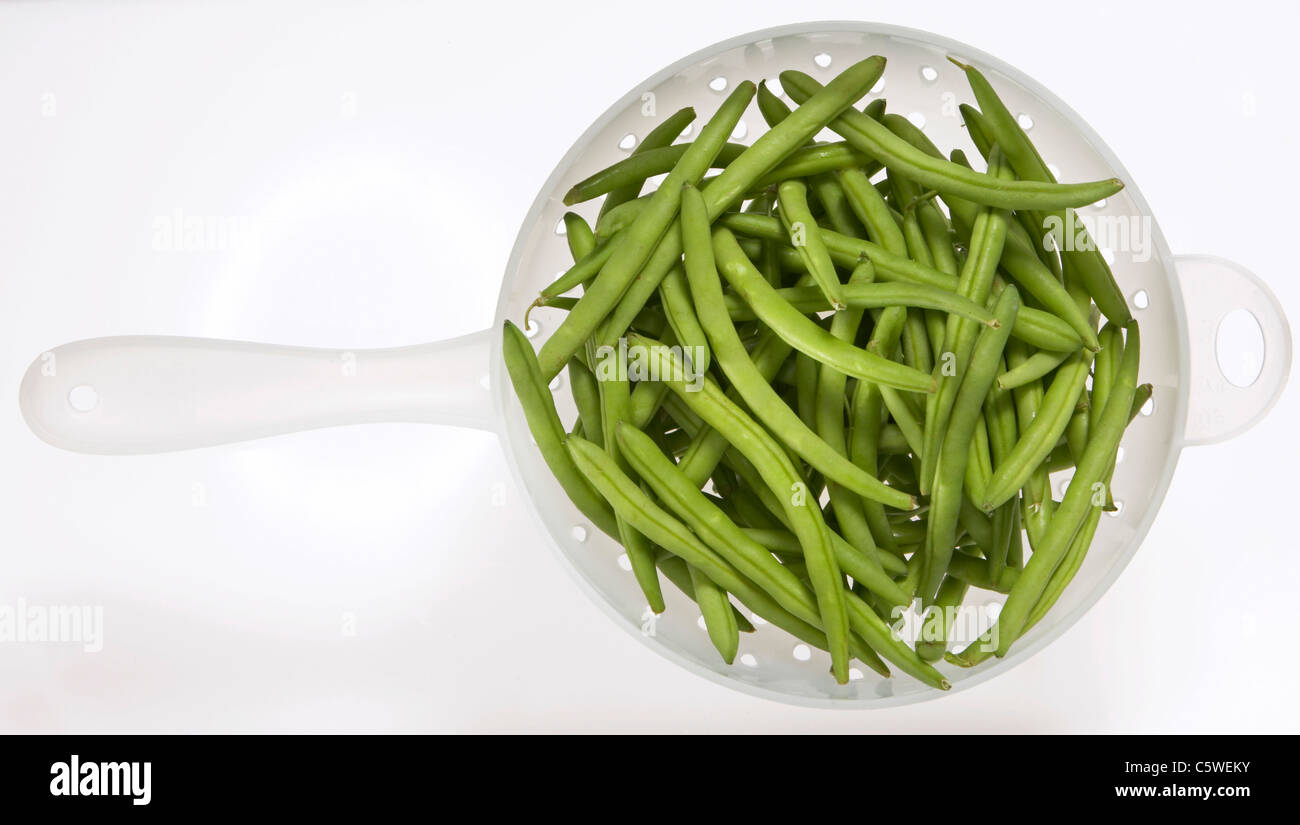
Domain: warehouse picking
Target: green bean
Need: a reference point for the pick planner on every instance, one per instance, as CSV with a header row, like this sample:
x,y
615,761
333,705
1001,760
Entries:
x,y
1036,440
946,497
676,296
578,234
976,572
860,296
1044,330
679,573
640,240
934,641
801,333
806,238
544,424
904,417
1082,258
1103,369
615,406
586,396
872,211
751,508
585,269
1076,430
1036,366
977,525
806,375
1064,572
618,218
1037,508
916,343
723,191
907,196
864,570
892,440
1142,396
979,464
874,139
1000,417
1072,512
719,618
882,637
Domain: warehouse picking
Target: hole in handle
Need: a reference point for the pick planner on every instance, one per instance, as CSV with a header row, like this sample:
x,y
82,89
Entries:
x,y
1239,348
83,398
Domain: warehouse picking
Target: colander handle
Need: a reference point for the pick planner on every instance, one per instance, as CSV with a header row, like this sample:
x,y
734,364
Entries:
x,y
153,394
1217,408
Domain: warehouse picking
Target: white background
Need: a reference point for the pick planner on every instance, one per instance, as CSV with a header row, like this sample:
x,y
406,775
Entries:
x,y
387,152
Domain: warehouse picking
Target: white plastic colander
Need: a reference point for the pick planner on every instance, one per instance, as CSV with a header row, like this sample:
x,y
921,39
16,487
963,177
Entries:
x,y
150,394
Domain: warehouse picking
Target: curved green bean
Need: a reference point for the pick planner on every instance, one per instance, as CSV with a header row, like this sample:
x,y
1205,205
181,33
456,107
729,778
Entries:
x,y
676,296
578,235
1036,366
874,139
583,270
678,572
586,397
544,424
805,237
719,617
860,296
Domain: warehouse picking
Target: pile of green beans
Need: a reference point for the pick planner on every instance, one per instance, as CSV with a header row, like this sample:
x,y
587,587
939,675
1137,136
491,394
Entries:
x,y
859,363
